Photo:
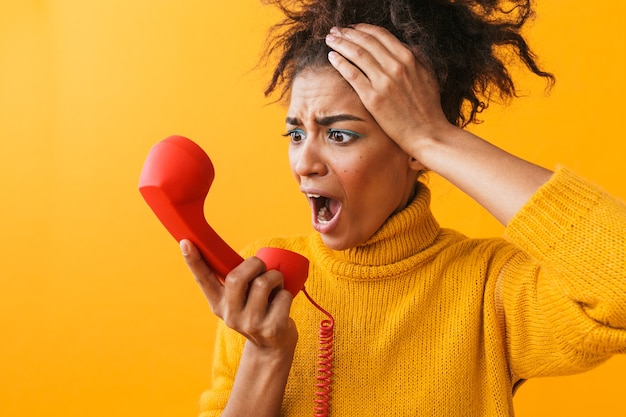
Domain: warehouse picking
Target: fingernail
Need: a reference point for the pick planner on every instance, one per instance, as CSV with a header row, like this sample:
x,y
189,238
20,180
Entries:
x,y
334,30
184,247
330,38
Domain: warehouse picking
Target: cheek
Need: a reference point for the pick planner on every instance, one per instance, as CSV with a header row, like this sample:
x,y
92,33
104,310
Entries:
x,y
353,177
354,168
385,178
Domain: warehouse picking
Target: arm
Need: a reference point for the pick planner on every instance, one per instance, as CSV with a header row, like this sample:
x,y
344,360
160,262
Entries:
x,y
564,297
502,183
253,303
566,293
260,382
403,97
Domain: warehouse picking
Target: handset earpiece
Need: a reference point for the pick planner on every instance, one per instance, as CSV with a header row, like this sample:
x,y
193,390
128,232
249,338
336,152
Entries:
x,y
175,180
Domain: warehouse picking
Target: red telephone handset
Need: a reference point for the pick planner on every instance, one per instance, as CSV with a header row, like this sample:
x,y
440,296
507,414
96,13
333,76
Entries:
x,y
175,181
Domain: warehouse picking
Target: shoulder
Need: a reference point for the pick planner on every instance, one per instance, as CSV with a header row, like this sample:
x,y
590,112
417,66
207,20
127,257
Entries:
x,y
486,254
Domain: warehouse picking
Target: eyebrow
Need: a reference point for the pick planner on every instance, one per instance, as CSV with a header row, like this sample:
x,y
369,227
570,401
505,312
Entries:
x,y
325,121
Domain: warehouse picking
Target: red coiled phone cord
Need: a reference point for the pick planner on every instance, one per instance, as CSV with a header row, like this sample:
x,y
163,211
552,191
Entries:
x,y
324,363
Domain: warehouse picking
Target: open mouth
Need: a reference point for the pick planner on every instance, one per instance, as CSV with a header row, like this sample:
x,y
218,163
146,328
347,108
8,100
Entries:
x,y
324,208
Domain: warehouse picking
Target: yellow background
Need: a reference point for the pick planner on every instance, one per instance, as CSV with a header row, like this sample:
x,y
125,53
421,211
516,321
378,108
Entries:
x,y
98,314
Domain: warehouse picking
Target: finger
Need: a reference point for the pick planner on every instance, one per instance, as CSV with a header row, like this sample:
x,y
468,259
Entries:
x,y
395,59
398,49
350,72
354,47
280,306
366,44
262,291
203,274
366,63
386,39
271,321
237,282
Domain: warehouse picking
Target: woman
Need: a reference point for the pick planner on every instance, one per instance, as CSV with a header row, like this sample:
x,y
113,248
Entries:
x,y
427,321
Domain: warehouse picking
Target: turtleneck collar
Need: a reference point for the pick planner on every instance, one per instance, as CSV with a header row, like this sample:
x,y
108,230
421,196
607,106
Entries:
x,y
399,239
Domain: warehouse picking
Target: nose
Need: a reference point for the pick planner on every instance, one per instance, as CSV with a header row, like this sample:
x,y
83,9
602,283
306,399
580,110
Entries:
x,y
307,159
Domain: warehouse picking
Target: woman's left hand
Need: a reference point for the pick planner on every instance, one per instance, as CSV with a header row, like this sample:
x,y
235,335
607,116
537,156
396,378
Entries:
x,y
399,91
403,96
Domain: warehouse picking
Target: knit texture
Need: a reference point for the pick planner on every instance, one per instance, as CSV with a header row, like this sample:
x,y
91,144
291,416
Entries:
x,y
431,323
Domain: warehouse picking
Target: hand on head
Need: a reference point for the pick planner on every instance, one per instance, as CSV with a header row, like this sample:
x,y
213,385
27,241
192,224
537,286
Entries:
x,y
398,89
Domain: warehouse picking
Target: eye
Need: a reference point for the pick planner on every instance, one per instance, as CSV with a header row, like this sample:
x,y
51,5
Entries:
x,y
296,135
342,135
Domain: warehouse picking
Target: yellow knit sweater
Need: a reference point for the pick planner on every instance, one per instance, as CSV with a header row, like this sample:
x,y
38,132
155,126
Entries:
x,y
431,323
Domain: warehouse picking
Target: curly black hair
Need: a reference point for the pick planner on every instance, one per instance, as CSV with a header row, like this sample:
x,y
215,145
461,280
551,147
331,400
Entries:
x,y
468,44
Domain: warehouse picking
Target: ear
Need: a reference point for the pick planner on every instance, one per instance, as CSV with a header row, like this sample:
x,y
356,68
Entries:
x,y
415,165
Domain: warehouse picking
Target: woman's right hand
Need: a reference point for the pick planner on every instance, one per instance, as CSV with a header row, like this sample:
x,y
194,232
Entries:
x,y
252,301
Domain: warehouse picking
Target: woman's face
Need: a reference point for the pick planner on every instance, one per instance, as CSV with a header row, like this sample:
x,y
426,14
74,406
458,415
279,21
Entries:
x,y
352,173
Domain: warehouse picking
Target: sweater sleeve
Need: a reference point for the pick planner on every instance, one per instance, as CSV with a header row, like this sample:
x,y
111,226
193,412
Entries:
x,y
564,294
228,348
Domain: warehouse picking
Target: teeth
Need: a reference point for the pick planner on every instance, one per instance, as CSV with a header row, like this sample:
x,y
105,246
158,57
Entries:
x,y
323,216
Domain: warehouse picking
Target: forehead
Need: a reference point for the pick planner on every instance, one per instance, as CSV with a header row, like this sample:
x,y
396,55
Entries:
x,y
322,91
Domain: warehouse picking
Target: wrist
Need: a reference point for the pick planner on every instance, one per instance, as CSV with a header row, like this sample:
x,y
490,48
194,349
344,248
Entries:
x,y
267,356
428,148
261,380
